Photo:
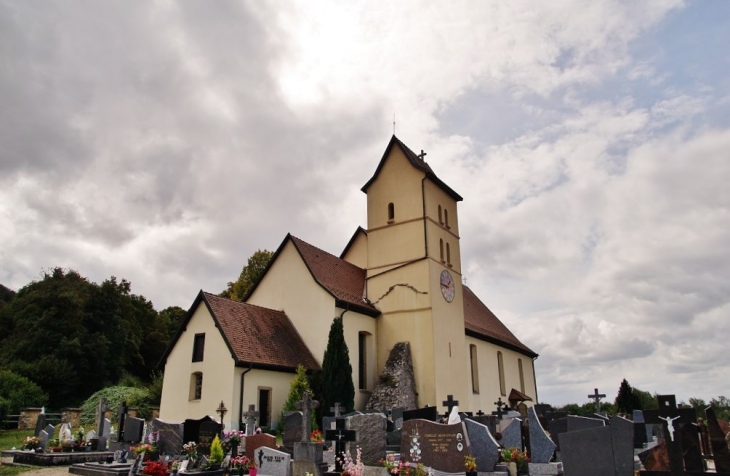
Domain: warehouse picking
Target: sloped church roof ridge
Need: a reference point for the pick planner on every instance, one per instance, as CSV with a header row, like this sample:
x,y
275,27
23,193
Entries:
x,y
417,162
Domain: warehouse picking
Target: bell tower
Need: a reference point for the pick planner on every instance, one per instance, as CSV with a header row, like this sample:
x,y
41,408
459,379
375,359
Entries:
x,y
414,270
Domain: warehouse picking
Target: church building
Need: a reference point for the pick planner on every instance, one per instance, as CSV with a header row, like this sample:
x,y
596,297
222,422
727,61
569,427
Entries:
x,y
398,280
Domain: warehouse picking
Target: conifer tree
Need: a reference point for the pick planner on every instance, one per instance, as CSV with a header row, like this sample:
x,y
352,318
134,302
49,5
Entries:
x,y
627,400
337,383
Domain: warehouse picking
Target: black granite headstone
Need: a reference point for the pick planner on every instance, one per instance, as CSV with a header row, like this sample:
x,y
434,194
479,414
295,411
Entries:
x,y
206,434
691,450
425,413
40,424
133,430
191,429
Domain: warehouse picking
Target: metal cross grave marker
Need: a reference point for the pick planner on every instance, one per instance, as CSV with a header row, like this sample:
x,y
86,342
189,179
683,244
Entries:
x,y
596,397
341,437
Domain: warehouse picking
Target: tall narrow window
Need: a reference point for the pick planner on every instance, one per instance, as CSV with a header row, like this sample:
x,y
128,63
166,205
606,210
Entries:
x,y
198,347
448,254
441,218
500,364
446,218
264,406
441,245
474,369
391,212
362,360
196,386
522,376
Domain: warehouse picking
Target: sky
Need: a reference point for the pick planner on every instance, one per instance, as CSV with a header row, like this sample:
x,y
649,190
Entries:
x,y
165,142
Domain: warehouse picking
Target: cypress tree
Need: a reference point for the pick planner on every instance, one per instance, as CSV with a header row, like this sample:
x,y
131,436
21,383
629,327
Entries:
x,y
627,400
337,383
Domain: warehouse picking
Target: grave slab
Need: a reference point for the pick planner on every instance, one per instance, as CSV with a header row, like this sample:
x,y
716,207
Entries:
x,y
622,442
371,436
483,445
511,433
541,446
441,447
587,452
171,436
273,462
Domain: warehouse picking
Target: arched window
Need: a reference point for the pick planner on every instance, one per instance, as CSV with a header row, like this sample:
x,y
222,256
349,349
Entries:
x,y
391,212
441,245
500,365
196,385
448,254
522,376
474,368
446,218
441,219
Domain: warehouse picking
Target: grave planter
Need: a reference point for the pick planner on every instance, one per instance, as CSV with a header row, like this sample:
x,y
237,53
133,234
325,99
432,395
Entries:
x,y
252,471
472,473
512,468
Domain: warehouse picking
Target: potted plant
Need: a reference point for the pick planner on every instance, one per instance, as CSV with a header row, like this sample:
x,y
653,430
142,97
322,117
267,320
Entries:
x,y
252,468
30,443
54,445
216,453
470,465
240,463
190,450
232,440
515,459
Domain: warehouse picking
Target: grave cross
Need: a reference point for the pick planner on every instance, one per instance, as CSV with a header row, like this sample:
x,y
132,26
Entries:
x,y
251,415
480,413
449,403
422,155
101,410
596,397
336,409
121,418
341,437
670,425
499,404
306,405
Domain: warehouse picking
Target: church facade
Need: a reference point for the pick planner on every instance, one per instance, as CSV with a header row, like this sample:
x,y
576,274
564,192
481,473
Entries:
x,y
398,280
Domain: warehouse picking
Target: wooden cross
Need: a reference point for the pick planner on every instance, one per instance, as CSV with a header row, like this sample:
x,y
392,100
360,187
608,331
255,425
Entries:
x,y
596,397
336,409
450,403
499,404
251,415
341,437
306,405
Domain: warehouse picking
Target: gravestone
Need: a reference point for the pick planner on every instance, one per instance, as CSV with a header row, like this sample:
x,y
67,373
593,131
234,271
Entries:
x,y
572,423
587,452
371,432
511,433
718,443
622,442
121,418
43,439
50,429
134,430
101,410
292,429
655,458
259,440
341,436
691,450
441,447
449,403
425,413
40,424
596,397
490,421
640,436
483,445
272,462
191,429
90,435
104,437
206,434
306,405
397,416
171,436
251,416
541,446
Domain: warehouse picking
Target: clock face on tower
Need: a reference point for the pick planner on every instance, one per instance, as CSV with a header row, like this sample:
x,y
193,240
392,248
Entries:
x,y
447,286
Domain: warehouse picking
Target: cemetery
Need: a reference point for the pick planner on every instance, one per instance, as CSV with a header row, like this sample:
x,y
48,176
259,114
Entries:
x,y
513,439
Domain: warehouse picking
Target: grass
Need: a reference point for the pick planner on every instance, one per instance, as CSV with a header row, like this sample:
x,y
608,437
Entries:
x,y
10,438
13,470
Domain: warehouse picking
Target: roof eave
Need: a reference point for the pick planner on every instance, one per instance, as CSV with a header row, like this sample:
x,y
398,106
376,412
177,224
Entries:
x,y
522,350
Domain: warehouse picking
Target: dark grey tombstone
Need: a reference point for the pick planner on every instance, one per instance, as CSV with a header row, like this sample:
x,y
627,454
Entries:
x,y
718,442
43,439
397,416
208,431
425,413
40,424
573,423
622,441
328,423
171,436
441,447
549,416
483,445
489,421
133,429
511,433
639,428
392,439
557,427
292,429
542,447
50,429
106,427
371,436
587,452
191,429
691,449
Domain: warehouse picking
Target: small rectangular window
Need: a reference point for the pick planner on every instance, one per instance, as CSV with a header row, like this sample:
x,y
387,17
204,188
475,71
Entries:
x,y
362,361
522,376
198,347
500,365
474,369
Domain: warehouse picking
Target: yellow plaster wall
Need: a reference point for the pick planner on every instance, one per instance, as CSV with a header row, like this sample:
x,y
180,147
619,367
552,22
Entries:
x,y
435,197
217,368
277,382
357,254
489,375
354,323
289,286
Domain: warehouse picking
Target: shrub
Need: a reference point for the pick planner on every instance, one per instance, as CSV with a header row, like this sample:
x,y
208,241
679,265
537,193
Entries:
x,y
114,397
17,392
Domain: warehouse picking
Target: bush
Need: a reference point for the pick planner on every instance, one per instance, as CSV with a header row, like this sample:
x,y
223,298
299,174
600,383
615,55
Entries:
x,y
114,397
17,392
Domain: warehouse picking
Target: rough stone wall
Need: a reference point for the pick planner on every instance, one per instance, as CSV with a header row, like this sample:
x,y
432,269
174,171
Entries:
x,y
72,416
28,418
396,386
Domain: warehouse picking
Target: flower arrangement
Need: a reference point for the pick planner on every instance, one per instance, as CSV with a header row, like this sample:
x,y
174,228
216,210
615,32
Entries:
x,y
514,455
352,467
399,468
190,450
316,436
155,468
233,437
153,439
31,442
142,448
470,463
240,462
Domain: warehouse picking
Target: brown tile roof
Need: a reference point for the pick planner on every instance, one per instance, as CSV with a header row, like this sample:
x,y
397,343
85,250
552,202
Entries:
x,y
482,323
259,336
416,162
344,280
